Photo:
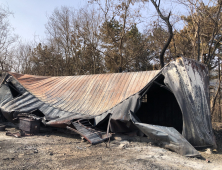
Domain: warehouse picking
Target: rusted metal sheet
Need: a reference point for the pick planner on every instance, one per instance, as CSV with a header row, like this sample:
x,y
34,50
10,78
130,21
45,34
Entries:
x,y
87,94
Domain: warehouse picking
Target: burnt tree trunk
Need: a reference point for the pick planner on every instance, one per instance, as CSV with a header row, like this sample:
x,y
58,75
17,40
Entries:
x,y
166,19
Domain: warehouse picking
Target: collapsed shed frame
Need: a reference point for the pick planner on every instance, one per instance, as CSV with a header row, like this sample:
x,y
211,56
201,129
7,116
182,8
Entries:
x,y
161,104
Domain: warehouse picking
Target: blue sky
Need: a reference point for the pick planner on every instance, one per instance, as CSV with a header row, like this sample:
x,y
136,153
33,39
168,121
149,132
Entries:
x,y
30,16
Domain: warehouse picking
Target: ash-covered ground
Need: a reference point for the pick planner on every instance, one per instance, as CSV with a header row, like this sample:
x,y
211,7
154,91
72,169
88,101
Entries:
x,y
58,150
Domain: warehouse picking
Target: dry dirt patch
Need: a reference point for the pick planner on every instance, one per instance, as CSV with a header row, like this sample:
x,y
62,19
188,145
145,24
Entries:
x,y
57,150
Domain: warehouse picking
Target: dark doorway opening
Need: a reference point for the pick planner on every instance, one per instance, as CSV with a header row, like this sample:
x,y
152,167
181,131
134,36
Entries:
x,y
160,107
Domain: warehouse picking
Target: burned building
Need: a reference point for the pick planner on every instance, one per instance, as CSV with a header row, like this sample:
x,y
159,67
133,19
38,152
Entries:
x,y
170,105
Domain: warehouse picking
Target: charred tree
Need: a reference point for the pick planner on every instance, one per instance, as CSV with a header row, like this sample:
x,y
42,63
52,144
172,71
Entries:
x,y
166,19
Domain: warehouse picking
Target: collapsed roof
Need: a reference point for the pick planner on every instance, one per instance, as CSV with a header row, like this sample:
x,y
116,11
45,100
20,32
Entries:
x,y
170,105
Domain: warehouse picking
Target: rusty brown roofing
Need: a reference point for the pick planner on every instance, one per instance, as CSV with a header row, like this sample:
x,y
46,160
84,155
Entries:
x,y
85,94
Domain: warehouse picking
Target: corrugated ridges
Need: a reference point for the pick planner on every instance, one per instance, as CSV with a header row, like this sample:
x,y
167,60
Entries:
x,y
86,94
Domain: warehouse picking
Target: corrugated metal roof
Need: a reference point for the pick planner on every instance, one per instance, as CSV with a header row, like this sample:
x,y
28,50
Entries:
x,y
86,94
